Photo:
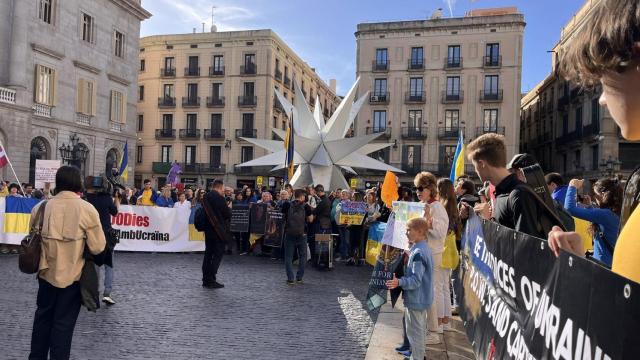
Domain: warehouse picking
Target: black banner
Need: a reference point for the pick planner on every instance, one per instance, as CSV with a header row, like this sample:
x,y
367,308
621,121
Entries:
x,y
520,302
258,215
274,230
239,218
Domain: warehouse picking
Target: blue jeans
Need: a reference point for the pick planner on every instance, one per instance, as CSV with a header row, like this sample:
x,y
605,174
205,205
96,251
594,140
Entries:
x,y
291,244
344,241
108,280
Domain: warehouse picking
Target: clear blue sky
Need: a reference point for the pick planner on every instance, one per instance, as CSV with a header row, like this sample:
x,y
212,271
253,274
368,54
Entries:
x,y
321,31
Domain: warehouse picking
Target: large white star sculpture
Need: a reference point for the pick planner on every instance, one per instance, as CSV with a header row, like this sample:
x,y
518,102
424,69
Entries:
x,y
321,150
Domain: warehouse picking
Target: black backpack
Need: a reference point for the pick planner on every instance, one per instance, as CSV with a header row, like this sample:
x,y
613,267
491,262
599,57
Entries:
x,y
200,220
296,218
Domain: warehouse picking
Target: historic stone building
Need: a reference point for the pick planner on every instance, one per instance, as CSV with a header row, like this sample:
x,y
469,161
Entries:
x,y
68,76
430,80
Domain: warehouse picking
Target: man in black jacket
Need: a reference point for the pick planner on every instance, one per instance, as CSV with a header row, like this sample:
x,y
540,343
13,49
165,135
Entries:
x,y
514,207
322,211
215,234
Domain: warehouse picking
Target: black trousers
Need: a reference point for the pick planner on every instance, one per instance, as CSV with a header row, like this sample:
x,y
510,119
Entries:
x,y
213,253
54,321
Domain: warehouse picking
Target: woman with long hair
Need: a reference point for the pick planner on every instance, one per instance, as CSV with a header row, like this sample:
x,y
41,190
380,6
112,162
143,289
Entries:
x,y
447,196
604,216
427,191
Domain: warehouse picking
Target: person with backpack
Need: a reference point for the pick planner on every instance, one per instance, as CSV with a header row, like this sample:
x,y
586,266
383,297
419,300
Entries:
x,y
296,215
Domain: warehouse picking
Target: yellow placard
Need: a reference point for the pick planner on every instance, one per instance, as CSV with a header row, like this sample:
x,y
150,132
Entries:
x,y
259,180
354,183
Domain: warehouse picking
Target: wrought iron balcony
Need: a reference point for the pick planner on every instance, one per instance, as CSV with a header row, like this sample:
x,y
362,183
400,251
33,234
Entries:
x,y
214,134
253,170
415,97
248,69
415,64
411,168
168,72
453,63
166,102
414,133
160,167
247,101
214,102
278,75
492,61
491,96
380,66
216,71
481,130
189,133
450,132
379,98
190,168
192,71
385,131
213,168
449,97
247,133
191,101
165,134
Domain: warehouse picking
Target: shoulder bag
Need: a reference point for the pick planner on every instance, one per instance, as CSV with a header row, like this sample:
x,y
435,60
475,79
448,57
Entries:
x,y
31,246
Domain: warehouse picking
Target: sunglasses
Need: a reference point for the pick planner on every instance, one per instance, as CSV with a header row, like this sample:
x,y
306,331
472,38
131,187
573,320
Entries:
x,y
420,188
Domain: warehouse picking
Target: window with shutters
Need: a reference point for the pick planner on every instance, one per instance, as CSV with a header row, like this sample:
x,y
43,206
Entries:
x,y
45,11
139,154
118,42
45,92
86,97
117,114
88,28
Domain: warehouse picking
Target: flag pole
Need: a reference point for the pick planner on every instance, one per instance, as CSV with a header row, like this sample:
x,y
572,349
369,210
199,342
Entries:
x,y
11,166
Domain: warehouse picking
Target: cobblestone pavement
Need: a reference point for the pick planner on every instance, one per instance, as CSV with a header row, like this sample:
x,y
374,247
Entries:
x,y
164,313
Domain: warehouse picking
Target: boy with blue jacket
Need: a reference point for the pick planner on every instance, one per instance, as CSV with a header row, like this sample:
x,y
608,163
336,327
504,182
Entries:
x,y
417,286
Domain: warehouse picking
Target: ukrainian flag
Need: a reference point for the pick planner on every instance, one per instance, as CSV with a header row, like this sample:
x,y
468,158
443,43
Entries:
x,y
17,214
124,172
288,145
374,242
457,166
194,235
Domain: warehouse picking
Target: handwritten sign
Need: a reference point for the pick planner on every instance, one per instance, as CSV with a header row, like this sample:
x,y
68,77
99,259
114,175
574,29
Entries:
x,y
46,173
352,213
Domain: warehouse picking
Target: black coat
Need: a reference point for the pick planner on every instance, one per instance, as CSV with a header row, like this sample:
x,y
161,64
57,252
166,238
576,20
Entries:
x,y
106,208
218,205
323,212
518,209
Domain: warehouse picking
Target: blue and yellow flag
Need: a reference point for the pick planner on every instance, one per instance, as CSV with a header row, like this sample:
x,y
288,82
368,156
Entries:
x,y
17,214
288,145
194,235
457,166
374,242
124,172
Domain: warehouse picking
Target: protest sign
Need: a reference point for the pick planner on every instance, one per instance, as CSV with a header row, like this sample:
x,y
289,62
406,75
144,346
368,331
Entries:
x,y
388,261
396,232
352,213
239,218
521,302
274,228
258,215
46,173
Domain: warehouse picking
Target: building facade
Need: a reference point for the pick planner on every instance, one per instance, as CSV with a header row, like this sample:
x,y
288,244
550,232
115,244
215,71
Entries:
x,y
566,129
430,80
68,80
200,93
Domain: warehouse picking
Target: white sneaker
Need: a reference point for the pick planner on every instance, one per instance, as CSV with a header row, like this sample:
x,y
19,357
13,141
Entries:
x,y
108,300
440,329
447,327
433,339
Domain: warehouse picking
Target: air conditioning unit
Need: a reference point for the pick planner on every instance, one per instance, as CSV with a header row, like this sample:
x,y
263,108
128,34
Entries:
x,y
374,98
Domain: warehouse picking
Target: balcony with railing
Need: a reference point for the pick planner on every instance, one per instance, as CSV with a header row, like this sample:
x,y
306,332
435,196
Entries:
x,y
191,102
165,134
116,126
192,71
168,72
248,69
216,71
215,102
414,133
287,82
7,96
213,168
83,119
278,75
42,110
380,66
453,63
385,131
214,134
411,168
491,96
492,61
415,64
481,130
189,134
247,133
379,98
247,101
159,167
450,132
415,97
252,170
166,102
449,97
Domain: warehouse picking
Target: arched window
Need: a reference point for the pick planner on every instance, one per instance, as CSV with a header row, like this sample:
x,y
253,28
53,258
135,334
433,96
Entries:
x,y
111,161
39,151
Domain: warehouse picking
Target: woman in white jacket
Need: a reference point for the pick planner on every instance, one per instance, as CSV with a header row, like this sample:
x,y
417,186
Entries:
x,y
426,189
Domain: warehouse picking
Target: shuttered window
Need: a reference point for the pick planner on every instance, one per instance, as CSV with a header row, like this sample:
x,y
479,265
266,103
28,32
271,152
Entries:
x,y
117,107
86,97
45,91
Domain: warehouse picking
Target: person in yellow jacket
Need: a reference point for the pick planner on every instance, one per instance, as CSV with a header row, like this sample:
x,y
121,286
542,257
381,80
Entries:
x,y
4,189
607,51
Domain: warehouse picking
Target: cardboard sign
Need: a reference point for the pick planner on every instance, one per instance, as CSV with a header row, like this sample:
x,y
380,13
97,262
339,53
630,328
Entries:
x,y
46,173
352,213
239,218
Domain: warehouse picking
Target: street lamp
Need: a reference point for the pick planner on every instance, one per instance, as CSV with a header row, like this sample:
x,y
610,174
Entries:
x,y
74,153
610,167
